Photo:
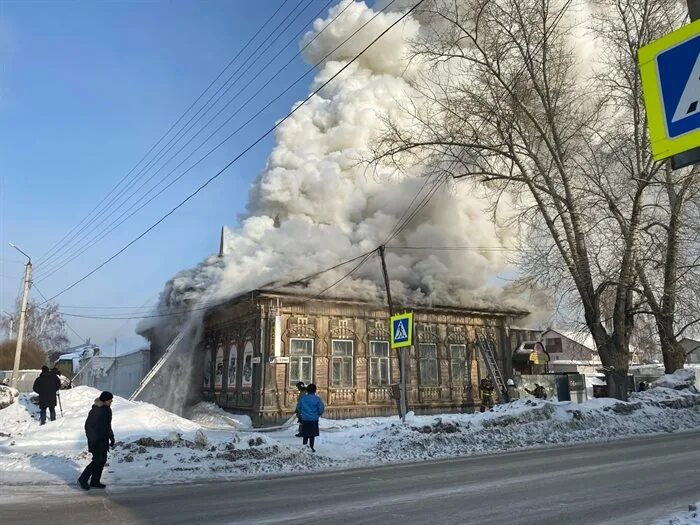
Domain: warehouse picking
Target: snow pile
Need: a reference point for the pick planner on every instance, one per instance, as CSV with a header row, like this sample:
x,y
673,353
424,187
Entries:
x,y
211,415
679,380
152,444
156,446
7,396
534,423
691,517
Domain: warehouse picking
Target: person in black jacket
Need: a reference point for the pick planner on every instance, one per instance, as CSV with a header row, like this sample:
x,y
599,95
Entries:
x,y
46,385
98,429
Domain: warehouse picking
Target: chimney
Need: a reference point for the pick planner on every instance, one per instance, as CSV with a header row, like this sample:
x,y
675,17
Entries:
x,y
221,243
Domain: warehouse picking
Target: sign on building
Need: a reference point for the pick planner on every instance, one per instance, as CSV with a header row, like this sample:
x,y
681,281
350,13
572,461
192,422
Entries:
x,y
670,70
401,328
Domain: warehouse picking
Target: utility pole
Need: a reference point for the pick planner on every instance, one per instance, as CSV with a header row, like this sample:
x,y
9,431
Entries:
x,y
694,9
402,351
22,316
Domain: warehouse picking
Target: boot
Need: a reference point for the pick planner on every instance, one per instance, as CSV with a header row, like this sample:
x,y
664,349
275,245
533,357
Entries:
x,y
83,484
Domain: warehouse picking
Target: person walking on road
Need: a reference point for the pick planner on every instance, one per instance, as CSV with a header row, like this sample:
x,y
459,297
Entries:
x,y
302,390
46,385
98,429
311,407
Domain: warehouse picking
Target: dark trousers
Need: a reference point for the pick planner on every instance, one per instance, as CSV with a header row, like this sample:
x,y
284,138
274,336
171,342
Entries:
x,y
94,468
42,414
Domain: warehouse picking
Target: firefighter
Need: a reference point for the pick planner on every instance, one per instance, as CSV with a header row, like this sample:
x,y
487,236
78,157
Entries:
x,y
539,392
487,391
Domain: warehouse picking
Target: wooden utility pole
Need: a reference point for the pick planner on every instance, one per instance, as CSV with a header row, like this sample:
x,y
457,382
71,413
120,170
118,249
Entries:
x,y
402,351
22,316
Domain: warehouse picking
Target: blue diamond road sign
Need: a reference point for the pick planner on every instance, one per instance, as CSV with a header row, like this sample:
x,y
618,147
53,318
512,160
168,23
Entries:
x,y
401,330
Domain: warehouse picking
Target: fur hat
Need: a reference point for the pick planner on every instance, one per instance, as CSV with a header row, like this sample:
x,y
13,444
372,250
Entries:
x,y
106,396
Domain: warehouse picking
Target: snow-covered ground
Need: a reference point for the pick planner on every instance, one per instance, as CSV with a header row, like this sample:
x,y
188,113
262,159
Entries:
x,y
691,517
155,446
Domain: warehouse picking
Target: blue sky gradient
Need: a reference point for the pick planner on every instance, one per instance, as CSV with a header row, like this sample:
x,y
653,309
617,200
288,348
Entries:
x,y
86,88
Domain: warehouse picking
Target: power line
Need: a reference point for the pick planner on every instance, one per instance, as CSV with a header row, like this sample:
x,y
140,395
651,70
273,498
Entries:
x,y
454,248
86,218
201,112
124,217
66,322
350,273
213,304
254,143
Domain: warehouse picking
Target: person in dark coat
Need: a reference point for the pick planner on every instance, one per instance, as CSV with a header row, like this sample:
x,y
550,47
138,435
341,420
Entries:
x,y
487,390
302,390
311,408
46,385
98,429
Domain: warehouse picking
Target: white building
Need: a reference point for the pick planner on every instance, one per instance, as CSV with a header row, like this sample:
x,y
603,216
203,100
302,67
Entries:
x,y
121,375
571,352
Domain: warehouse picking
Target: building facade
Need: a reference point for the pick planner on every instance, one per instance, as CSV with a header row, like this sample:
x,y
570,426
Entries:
x,y
258,346
121,375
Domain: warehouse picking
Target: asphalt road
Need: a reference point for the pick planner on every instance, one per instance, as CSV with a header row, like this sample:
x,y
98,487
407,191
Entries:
x,y
623,482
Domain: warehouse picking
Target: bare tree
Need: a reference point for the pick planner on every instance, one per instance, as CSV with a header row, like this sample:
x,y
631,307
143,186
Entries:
x,y
44,326
664,261
510,100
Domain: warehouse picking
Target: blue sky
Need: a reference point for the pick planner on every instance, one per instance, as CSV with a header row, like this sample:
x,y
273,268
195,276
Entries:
x,y
86,88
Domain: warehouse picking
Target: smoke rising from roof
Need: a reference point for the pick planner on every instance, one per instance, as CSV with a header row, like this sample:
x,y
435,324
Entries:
x,y
315,203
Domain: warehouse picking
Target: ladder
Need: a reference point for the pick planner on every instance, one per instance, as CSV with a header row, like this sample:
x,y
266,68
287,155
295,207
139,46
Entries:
x,y
159,364
487,351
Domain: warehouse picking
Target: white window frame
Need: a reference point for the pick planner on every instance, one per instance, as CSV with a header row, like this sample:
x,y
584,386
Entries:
x,y
342,359
376,361
465,379
301,358
422,368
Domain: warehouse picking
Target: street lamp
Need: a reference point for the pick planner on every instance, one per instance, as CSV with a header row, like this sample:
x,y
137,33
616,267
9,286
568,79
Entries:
x,y
22,315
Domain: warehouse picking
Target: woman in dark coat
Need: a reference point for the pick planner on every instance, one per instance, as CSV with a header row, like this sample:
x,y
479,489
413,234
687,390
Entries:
x,y
46,385
311,407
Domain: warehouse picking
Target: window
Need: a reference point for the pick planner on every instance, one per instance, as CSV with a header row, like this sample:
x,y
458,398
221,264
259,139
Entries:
x,y
428,364
341,363
458,364
301,353
379,363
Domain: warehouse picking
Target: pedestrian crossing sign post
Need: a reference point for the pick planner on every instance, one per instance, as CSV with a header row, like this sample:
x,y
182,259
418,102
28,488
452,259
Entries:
x,y
670,71
401,330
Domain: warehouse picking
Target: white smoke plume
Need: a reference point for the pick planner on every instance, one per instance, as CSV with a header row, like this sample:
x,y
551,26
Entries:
x,y
315,205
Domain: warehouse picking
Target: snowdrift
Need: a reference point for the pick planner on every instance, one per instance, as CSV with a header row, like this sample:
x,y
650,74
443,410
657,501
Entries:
x,y
156,446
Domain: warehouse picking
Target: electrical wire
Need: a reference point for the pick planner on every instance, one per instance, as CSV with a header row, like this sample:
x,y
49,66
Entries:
x,y
66,322
251,146
115,224
214,304
250,40
198,115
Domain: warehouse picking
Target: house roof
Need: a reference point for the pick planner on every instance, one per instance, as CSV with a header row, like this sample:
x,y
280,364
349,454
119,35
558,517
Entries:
x,y
492,310
580,338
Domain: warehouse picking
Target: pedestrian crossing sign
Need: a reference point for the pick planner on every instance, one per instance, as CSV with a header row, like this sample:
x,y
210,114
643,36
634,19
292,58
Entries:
x,y
401,330
670,71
